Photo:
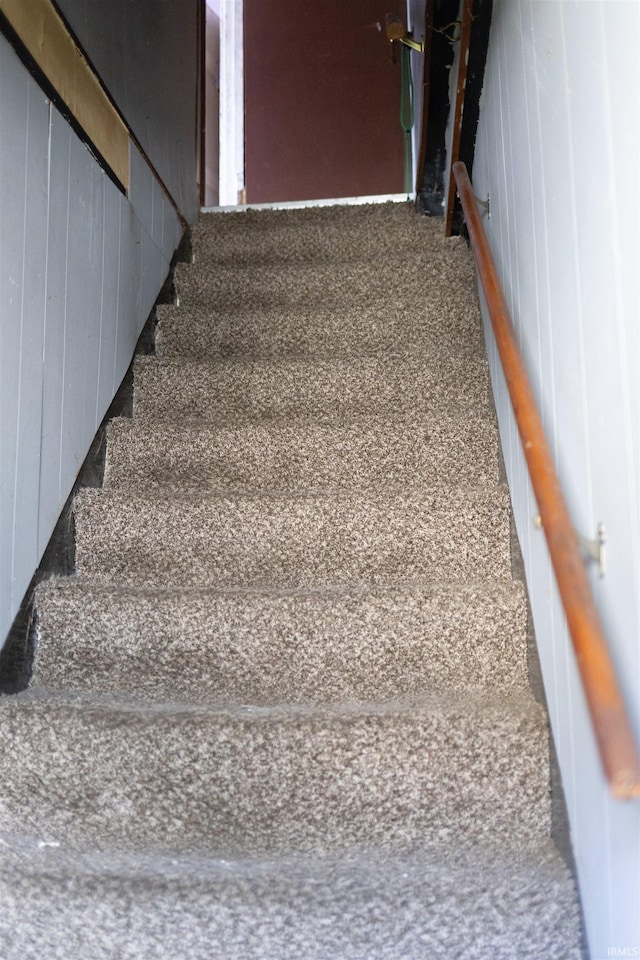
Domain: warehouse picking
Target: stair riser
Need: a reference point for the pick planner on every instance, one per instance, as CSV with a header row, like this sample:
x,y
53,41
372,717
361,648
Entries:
x,y
400,281
262,649
362,216
315,331
301,458
305,246
327,391
271,239
291,543
256,785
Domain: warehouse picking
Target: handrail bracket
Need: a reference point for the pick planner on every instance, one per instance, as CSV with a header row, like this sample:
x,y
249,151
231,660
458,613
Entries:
x,y
591,550
595,550
485,204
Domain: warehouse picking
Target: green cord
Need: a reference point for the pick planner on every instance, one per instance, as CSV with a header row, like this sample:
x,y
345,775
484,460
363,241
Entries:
x,y
406,112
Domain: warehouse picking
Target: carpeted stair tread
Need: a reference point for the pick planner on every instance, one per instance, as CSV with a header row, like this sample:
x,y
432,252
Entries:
x,y
259,647
275,237
291,456
263,240
246,781
282,710
402,281
329,389
375,907
205,332
278,243
145,538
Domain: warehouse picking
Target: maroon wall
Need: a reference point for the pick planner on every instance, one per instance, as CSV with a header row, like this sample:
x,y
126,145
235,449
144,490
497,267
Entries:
x,y
322,100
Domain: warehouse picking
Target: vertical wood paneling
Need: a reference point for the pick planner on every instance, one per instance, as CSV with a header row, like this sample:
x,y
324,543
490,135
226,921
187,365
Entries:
x,y
141,191
23,166
13,90
55,331
623,143
29,398
80,309
146,54
80,268
109,299
559,132
130,244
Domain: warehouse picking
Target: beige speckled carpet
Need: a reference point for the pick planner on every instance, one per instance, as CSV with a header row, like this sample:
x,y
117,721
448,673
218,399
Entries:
x,y
282,711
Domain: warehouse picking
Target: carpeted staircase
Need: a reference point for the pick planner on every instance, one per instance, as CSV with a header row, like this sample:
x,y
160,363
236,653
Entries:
x,y
282,711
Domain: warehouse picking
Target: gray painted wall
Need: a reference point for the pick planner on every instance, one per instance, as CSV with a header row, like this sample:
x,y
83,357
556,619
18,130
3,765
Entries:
x,y
558,151
146,53
80,268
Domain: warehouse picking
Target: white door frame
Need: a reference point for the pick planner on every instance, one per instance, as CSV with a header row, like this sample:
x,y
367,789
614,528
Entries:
x,y
231,176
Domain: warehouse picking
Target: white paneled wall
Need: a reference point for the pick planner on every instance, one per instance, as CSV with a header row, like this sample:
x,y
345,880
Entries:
x,y
80,268
558,151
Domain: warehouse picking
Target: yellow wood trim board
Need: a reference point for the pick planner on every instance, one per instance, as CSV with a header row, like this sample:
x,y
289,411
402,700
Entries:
x,y
44,34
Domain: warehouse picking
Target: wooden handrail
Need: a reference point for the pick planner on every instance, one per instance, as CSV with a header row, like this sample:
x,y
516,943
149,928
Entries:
x,y
609,717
